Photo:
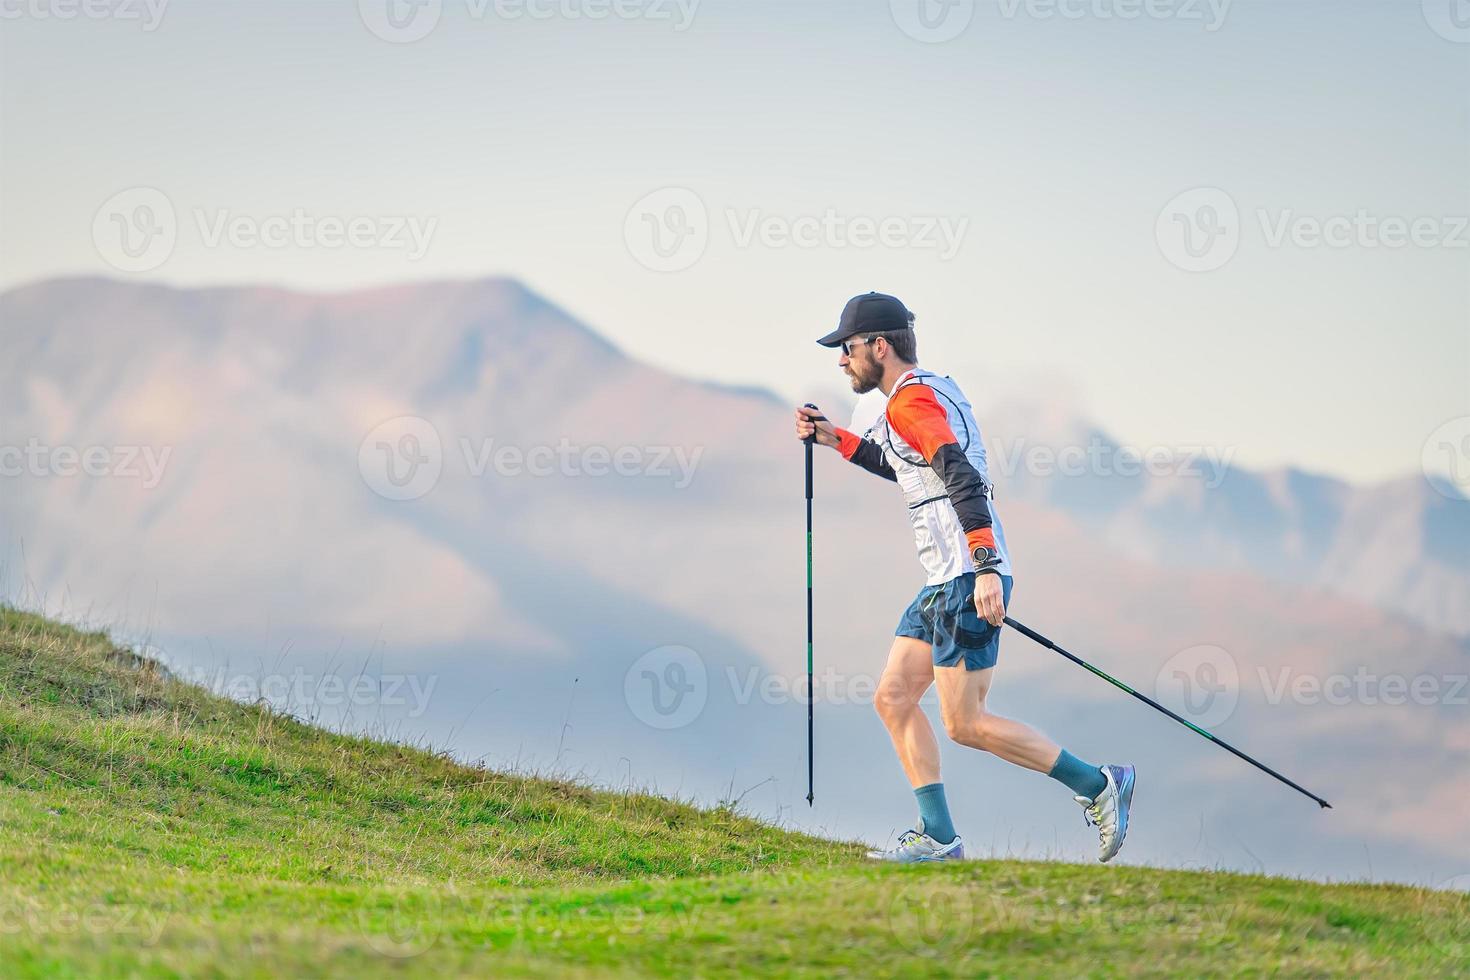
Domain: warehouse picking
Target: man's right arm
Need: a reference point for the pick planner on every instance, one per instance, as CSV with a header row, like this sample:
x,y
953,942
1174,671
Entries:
x,y
865,453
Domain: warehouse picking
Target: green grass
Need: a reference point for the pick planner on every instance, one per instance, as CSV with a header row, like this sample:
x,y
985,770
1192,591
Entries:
x,y
149,828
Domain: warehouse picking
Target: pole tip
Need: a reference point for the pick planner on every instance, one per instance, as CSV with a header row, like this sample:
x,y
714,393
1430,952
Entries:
x,y
1325,804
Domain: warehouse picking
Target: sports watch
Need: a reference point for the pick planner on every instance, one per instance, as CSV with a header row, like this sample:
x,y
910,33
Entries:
x,y
987,560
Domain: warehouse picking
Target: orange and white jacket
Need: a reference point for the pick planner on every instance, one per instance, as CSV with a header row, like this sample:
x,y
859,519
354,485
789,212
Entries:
x,y
928,442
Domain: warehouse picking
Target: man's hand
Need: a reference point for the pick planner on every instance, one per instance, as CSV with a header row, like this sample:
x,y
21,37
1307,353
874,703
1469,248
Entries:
x,y
990,600
826,433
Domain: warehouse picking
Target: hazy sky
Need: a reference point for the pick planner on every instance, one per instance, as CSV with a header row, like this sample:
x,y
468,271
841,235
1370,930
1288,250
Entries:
x,y
1017,184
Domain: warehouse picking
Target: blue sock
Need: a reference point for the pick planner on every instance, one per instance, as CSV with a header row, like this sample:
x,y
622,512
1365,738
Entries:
x,y
1080,777
934,811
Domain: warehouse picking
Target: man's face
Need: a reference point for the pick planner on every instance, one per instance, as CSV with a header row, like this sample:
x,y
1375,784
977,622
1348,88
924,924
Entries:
x,y
861,367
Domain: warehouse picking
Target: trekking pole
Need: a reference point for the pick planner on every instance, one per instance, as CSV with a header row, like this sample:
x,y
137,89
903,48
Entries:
x,y
1027,631
809,442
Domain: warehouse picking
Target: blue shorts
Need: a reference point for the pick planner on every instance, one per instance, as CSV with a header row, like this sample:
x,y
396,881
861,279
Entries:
x,y
944,616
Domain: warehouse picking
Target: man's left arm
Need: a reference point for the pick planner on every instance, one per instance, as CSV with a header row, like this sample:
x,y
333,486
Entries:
x,y
917,416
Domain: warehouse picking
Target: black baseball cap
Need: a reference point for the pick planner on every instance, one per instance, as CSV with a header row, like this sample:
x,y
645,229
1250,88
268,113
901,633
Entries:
x,y
869,313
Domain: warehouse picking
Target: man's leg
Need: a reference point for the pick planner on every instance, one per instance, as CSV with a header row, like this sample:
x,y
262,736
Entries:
x,y
967,648
907,675
962,706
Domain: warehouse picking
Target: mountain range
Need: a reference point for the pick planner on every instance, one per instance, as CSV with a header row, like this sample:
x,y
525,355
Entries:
x,y
462,479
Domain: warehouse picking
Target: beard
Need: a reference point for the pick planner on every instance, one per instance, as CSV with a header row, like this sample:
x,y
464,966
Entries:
x,y
864,376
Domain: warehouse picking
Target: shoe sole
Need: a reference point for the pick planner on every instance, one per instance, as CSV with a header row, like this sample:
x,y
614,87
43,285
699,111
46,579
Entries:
x,y
1125,806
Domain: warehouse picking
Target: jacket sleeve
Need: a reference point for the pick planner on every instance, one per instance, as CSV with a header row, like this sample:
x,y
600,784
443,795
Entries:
x,y
865,453
916,415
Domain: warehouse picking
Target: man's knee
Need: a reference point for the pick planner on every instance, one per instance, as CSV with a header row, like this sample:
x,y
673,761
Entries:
x,y
968,728
893,700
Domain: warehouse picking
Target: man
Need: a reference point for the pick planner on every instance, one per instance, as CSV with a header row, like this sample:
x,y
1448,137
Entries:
x,y
927,441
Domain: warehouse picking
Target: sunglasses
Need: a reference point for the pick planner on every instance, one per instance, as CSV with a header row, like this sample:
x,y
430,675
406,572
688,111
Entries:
x,y
848,345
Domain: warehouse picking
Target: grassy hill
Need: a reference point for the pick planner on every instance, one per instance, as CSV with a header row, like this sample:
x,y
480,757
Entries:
x,y
150,828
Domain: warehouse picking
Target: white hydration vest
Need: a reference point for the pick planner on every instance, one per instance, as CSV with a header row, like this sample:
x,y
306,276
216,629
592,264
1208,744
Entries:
x,y
938,534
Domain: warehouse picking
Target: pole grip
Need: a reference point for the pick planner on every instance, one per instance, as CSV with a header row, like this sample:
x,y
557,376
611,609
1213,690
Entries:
x,y
809,442
1030,633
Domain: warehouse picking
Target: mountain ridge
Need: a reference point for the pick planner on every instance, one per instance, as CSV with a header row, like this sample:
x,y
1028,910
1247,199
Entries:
x,y
273,533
